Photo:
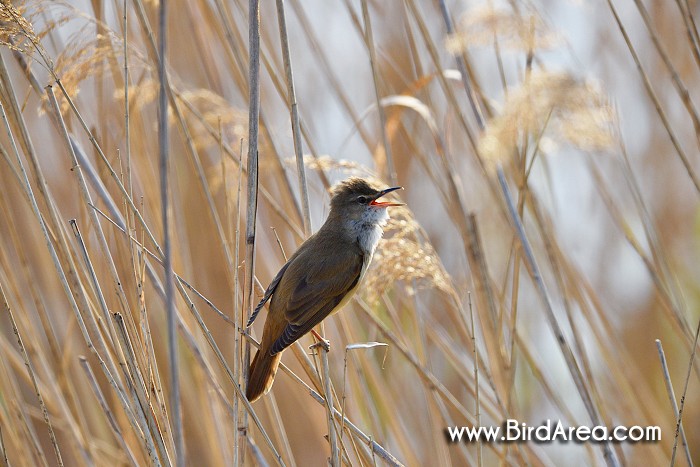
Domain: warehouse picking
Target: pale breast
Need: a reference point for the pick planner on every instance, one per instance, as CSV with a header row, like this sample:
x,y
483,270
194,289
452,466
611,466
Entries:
x,y
368,243
368,231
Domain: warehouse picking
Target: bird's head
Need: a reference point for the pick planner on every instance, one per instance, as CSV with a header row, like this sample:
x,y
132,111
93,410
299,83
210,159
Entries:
x,y
356,200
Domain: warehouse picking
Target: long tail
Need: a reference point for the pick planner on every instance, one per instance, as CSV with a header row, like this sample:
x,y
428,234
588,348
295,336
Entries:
x,y
262,373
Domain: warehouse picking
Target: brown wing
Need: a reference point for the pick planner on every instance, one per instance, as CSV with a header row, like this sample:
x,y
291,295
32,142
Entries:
x,y
326,279
268,293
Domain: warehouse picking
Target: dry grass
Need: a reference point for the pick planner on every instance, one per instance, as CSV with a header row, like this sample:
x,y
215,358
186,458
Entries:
x,y
548,239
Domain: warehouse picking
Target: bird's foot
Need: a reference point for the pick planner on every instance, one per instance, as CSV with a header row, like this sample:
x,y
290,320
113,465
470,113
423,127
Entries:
x,y
323,343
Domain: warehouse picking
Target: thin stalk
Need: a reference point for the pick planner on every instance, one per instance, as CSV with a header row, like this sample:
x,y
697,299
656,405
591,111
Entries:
x,y
251,213
6,461
690,30
154,438
477,400
691,17
462,67
94,385
238,313
32,452
672,398
88,199
369,43
294,115
93,278
170,310
328,392
127,126
32,375
685,393
486,300
274,414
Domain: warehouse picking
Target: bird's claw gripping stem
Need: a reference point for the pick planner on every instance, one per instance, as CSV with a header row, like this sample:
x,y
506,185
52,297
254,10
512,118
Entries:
x,y
323,343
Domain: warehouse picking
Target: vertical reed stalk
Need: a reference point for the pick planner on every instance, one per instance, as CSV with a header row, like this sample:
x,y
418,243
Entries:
x,y
252,210
369,43
170,309
674,404
294,115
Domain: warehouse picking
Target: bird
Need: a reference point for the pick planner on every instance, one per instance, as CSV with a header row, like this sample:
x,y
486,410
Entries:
x,y
320,277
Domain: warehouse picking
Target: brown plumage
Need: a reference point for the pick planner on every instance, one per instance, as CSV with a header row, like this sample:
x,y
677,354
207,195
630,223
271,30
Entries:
x,y
320,277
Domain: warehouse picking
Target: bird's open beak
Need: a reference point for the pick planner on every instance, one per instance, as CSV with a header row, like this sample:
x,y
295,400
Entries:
x,y
385,204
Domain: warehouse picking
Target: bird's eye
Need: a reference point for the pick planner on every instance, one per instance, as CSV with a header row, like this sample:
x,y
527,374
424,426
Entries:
x,y
362,200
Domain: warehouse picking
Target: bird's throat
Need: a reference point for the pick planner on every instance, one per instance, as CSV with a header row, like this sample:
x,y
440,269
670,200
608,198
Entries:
x,y
368,237
368,230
